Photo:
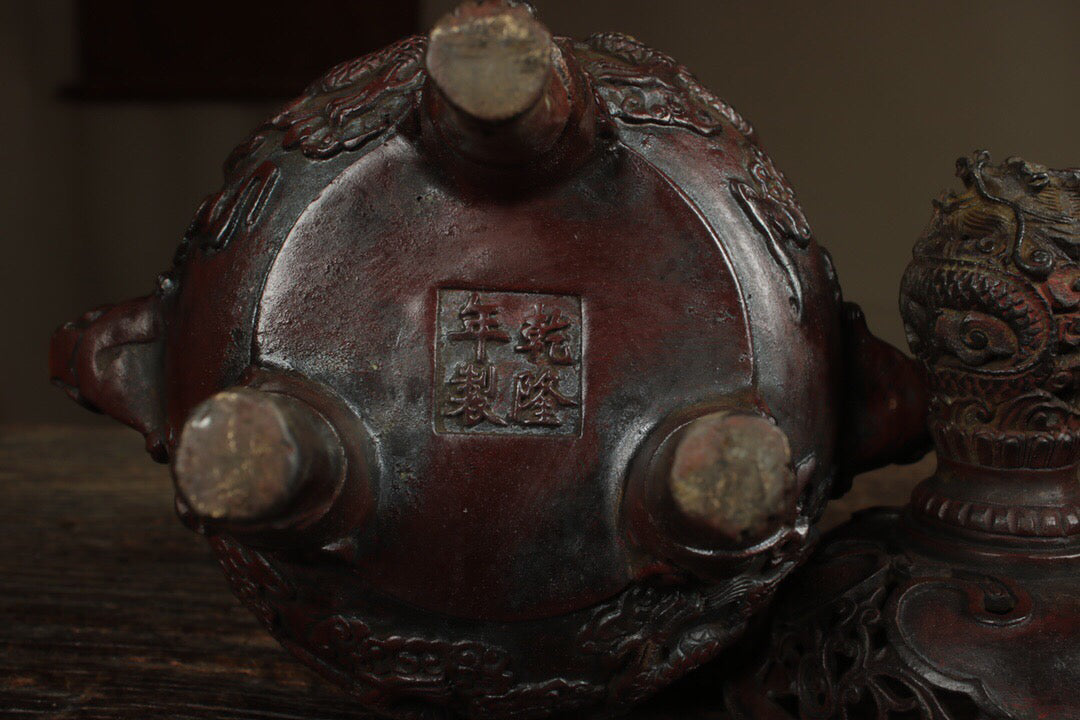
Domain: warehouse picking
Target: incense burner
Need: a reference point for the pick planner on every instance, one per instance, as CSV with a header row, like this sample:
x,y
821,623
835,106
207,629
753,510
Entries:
x,y
504,374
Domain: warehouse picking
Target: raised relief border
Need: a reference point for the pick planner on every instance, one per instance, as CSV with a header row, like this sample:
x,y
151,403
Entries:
x,y
508,363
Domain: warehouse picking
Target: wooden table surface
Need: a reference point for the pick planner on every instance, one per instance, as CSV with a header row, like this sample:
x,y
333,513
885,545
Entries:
x,y
109,608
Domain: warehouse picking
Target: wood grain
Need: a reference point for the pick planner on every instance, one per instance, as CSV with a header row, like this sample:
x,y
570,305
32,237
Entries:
x,y
110,609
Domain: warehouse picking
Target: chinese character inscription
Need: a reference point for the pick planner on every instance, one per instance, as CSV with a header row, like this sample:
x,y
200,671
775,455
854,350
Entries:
x,y
508,363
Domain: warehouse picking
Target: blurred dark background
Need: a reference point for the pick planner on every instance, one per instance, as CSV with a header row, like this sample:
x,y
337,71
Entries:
x,y
113,125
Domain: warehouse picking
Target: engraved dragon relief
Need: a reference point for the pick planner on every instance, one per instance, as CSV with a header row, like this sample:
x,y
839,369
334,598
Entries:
x,y
640,85
695,625
474,676
347,109
477,673
769,201
355,102
661,632
251,179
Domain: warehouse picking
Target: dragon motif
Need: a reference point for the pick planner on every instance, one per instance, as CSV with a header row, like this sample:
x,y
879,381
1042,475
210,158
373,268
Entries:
x,y
347,109
355,102
991,305
687,627
962,605
661,633
642,85
769,201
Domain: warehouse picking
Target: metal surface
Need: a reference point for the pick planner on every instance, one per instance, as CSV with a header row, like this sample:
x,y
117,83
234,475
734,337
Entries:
x,y
731,477
964,604
247,456
510,327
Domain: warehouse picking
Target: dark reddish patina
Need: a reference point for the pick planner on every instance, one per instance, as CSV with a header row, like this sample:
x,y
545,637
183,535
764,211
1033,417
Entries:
x,y
964,605
503,373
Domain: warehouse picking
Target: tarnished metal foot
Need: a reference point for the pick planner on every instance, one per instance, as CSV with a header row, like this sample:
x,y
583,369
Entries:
x,y
249,456
277,462
731,478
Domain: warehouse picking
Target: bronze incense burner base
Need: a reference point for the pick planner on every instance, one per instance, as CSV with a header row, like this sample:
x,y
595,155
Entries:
x,y
504,374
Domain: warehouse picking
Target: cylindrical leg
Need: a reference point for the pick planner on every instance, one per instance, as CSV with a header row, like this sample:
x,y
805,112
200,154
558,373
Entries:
x,y
730,478
247,456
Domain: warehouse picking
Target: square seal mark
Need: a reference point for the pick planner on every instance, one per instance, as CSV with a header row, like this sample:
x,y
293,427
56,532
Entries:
x,y
508,363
